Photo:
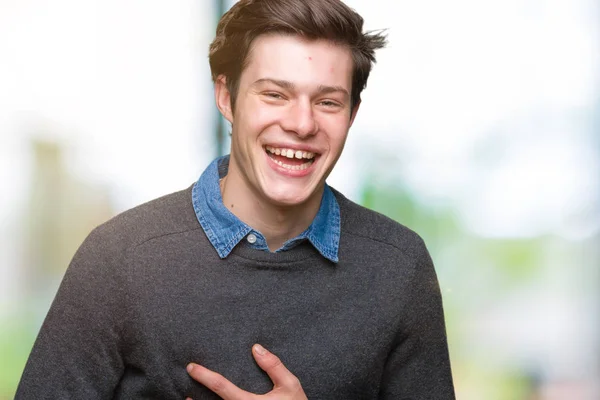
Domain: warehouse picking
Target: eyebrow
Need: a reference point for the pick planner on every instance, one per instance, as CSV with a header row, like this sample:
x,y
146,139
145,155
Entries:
x,y
332,89
283,84
323,89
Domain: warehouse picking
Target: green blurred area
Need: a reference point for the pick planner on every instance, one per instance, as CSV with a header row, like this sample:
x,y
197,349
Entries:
x,y
16,339
478,274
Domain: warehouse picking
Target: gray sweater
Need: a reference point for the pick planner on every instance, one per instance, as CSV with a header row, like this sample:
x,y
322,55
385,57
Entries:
x,y
146,294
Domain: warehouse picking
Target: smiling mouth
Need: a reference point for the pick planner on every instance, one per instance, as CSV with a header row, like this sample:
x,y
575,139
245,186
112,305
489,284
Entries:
x,y
293,160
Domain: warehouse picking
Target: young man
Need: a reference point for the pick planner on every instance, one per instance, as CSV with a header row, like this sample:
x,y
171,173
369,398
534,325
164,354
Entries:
x,y
176,298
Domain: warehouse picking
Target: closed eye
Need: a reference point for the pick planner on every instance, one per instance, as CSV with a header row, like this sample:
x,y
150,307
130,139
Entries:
x,y
273,95
329,104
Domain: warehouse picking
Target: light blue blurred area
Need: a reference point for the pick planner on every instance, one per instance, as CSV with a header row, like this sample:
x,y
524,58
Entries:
x,y
479,129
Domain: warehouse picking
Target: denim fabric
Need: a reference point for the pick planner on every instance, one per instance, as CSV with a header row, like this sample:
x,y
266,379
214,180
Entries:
x,y
225,230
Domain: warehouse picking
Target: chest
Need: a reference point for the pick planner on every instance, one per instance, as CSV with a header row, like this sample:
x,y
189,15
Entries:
x,y
332,332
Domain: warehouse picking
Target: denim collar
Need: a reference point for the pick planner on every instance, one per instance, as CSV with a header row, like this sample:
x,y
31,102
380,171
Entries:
x,y
225,230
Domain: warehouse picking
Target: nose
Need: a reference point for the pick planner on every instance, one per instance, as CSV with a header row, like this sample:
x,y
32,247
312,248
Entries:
x,y
300,120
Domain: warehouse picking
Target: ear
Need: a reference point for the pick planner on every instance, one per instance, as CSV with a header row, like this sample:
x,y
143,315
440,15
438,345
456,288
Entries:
x,y
354,112
223,98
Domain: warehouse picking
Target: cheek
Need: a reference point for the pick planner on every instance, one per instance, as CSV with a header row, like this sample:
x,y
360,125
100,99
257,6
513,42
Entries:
x,y
336,130
258,116
248,124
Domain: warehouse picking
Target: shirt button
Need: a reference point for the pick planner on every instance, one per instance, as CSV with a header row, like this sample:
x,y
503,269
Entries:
x,y
251,238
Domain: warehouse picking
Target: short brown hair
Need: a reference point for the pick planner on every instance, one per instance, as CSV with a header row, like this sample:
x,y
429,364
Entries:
x,y
313,19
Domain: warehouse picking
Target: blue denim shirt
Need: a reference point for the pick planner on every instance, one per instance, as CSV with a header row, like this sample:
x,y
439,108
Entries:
x,y
225,230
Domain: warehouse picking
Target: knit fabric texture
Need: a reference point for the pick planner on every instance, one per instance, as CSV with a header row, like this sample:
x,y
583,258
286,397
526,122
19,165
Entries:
x,y
147,293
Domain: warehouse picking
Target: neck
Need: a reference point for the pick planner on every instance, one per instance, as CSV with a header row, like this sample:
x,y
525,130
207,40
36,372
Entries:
x,y
277,223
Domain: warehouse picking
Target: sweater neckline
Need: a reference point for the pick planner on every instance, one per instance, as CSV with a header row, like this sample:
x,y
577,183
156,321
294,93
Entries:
x,y
300,253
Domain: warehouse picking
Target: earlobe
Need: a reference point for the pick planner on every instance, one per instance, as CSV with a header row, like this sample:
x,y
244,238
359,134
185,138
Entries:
x,y
223,98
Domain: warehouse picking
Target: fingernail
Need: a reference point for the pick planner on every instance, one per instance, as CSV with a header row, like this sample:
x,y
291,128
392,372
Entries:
x,y
190,367
260,350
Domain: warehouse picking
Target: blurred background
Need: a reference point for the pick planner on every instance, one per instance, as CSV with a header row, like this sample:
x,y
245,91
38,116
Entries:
x,y
479,129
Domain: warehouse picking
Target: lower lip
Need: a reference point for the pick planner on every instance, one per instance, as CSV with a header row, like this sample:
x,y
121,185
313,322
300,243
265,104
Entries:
x,y
294,173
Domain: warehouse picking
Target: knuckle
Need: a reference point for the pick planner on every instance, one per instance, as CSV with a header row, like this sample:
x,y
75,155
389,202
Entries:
x,y
294,383
217,384
275,362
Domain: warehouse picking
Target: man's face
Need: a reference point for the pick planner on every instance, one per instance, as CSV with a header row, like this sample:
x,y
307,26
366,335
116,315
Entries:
x,y
292,116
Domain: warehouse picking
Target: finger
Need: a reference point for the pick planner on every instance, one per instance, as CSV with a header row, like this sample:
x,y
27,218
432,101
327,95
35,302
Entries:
x,y
273,366
216,382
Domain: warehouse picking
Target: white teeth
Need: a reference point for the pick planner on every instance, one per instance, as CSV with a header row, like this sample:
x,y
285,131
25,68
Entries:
x,y
293,167
289,153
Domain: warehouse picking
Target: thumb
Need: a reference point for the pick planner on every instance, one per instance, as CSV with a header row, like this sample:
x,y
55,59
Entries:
x,y
272,365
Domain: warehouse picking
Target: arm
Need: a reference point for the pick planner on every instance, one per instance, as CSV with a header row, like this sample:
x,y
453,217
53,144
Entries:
x,y
419,365
76,354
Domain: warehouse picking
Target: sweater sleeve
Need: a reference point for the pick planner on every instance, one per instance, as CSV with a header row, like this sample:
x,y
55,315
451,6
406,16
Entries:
x,y
76,354
419,366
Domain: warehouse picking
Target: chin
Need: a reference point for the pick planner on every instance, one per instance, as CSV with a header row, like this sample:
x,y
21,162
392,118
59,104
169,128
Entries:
x,y
287,198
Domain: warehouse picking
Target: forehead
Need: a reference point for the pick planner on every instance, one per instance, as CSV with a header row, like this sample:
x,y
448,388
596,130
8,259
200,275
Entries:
x,y
301,61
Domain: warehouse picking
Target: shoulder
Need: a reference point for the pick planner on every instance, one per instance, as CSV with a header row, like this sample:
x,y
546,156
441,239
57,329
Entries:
x,y
380,231
167,215
390,250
